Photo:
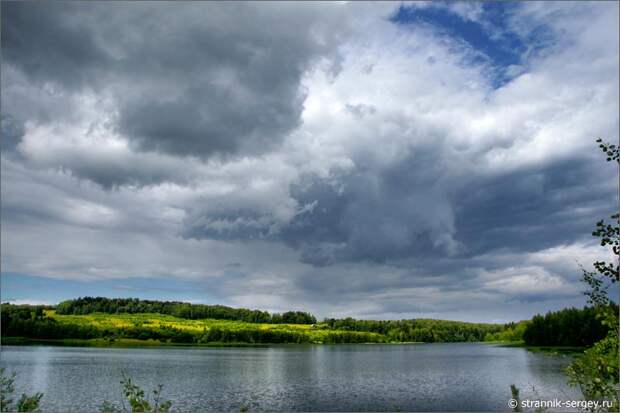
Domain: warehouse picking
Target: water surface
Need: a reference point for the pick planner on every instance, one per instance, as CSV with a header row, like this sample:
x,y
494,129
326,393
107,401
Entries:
x,y
423,377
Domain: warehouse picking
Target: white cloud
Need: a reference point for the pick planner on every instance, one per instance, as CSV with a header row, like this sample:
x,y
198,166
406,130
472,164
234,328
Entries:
x,y
400,105
29,302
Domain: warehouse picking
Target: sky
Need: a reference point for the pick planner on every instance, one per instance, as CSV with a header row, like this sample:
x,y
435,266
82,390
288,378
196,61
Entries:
x,y
379,161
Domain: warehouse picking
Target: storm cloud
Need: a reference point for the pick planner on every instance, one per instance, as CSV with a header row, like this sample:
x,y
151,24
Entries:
x,y
347,159
201,80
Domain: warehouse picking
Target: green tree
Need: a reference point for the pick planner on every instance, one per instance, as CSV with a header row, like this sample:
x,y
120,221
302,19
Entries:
x,y
596,372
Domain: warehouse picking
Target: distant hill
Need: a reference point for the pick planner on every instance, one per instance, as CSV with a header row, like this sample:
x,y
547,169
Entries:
x,y
88,305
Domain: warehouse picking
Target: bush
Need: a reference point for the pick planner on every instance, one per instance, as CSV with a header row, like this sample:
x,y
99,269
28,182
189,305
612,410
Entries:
x,y
24,404
137,400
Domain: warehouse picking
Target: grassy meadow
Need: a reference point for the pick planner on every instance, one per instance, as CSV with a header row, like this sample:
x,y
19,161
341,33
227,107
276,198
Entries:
x,y
115,325
103,321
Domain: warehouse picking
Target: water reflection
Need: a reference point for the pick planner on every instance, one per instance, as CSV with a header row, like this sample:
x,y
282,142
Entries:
x,y
430,377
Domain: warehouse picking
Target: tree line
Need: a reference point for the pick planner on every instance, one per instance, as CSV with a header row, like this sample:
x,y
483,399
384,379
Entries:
x,y
568,327
87,305
418,330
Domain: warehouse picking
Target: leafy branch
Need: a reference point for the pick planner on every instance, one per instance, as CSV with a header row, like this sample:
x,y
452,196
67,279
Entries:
x,y
136,397
24,404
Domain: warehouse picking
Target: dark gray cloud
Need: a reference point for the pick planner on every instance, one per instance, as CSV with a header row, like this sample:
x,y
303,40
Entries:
x,y
416,209
12,132
535,208
389,215
52,42
368,216
373,213
230,224
202,79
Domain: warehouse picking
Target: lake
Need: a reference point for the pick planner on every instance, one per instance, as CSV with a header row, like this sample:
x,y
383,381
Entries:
x,y
414,377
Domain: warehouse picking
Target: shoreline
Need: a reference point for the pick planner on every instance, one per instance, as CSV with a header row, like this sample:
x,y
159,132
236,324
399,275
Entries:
x,y
555,350
128,343
135,343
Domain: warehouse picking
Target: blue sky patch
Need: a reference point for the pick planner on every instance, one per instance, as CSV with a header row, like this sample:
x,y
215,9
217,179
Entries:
x,y
489,36
28,288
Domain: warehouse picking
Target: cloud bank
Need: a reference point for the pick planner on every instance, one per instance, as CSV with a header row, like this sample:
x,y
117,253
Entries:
x,y
387,160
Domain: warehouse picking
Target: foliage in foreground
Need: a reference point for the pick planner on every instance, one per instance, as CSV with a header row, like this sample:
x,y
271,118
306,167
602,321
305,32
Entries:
x,y
514,390
24,404
596,372
137,400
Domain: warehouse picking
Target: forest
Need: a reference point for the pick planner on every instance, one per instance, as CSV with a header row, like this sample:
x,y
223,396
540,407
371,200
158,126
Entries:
x,y
88,305
82,322
183,323
419,330
568,327
43,323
